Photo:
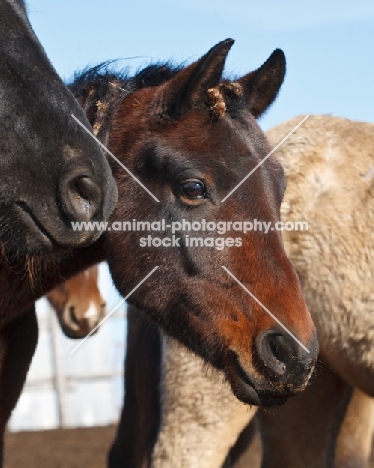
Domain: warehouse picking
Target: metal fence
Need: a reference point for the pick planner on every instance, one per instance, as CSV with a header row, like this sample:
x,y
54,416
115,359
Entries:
x,y
80,389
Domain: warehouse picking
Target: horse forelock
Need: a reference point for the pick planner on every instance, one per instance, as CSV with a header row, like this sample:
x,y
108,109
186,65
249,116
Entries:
x,y
103,82
218,96
100,88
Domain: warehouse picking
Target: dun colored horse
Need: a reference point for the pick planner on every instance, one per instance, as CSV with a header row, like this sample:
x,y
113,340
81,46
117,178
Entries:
x,y
189,137
329,169
51,172
78,303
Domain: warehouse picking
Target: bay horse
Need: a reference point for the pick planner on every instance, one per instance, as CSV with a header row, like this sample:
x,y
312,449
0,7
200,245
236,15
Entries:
x,y
329,170
189,137
51,172
78,303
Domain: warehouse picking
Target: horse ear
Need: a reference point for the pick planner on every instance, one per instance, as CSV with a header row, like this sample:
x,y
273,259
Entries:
x,y
261,86
189,87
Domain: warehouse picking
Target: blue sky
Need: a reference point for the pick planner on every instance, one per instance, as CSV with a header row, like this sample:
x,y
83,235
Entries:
x,y
329,45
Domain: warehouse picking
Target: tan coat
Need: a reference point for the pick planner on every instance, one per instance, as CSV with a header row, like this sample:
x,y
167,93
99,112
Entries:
x,y
329,166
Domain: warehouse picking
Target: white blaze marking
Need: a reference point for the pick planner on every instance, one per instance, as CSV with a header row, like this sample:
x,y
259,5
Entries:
x,y
92,311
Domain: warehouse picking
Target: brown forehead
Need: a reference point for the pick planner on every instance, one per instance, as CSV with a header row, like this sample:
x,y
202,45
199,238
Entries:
x,y
142,100
198,131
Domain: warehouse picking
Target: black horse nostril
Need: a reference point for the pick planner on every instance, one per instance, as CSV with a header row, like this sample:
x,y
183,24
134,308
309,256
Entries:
x,y
275,352
277,346
85,196
81,197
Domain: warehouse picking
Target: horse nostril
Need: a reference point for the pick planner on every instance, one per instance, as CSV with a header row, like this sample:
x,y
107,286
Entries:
x,y
276,352
73,316
277,346
81,197
103,307
85,195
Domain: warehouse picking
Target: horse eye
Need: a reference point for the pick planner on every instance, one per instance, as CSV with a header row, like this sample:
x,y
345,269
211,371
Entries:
x,y
193,189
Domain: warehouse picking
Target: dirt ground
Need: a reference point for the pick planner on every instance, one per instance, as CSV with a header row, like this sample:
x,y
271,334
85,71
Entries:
x,y
64,448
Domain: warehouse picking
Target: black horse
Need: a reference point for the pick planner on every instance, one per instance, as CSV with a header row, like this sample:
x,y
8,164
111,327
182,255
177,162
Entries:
x,y
51,171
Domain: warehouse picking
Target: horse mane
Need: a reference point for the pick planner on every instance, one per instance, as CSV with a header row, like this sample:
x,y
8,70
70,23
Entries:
x,y
103,74
100,87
